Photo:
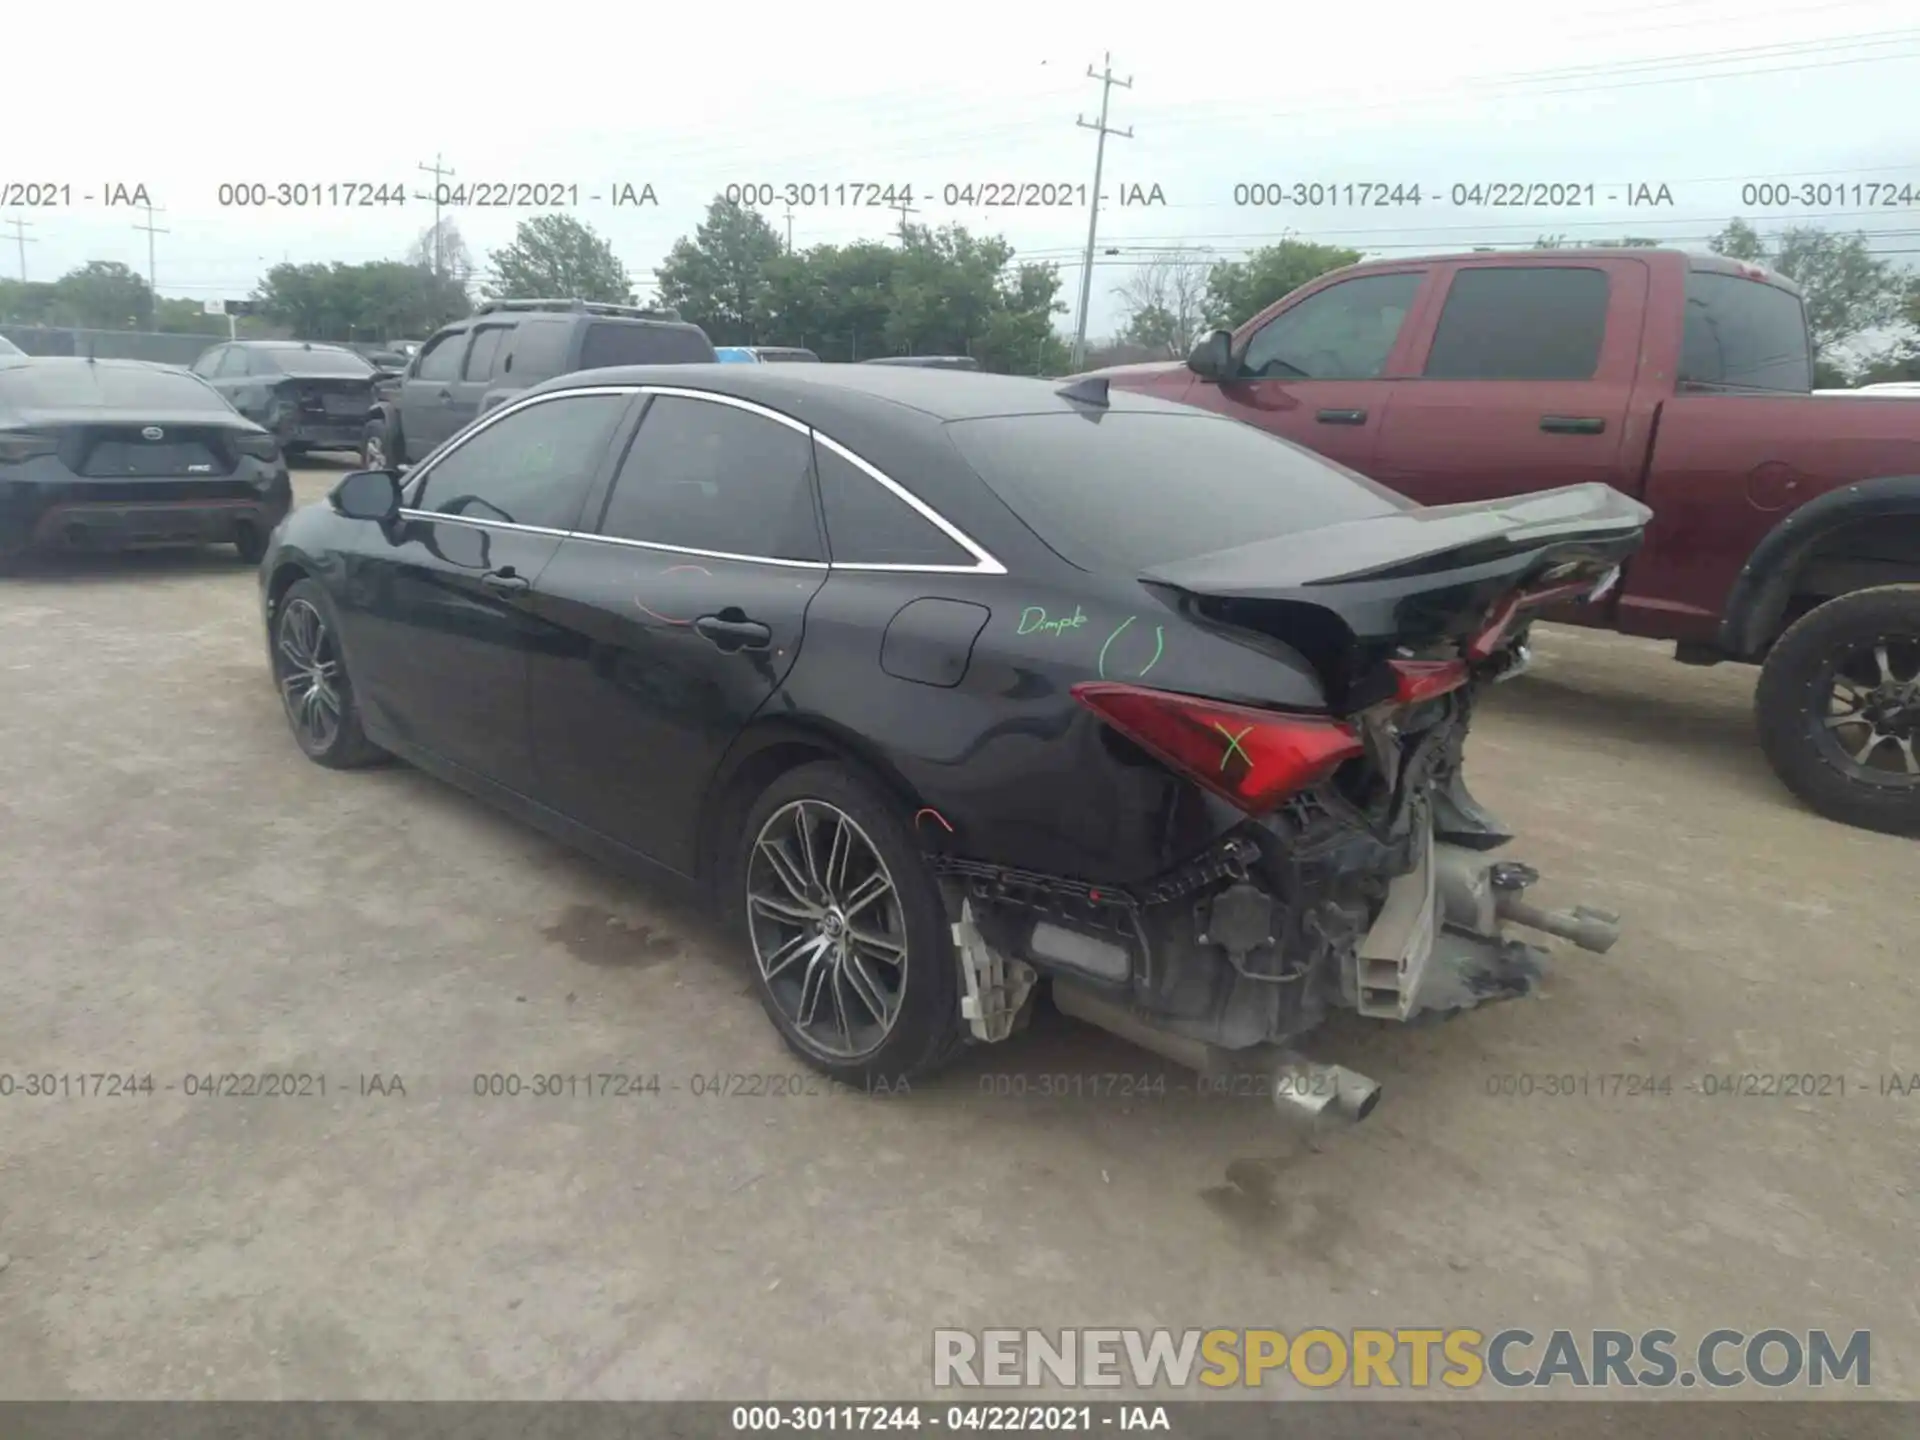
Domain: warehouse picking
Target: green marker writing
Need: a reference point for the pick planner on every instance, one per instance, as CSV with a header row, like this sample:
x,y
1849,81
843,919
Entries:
x,y
1033,620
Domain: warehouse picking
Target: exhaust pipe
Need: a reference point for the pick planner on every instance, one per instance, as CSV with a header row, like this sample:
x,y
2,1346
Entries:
x,y
1590,929
1301,1087
1320,1091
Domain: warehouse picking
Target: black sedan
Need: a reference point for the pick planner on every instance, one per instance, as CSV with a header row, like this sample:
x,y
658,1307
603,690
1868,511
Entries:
x,y
117,454
311,396
940,686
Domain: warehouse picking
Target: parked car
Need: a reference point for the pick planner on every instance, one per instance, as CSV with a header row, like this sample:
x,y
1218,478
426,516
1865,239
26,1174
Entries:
x,y
765,355
938,689
927,362
1786,527
387,360
311,396
120,454
505,347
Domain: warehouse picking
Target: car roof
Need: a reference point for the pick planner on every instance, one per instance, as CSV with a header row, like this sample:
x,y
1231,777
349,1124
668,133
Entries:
x,y
292,345
67,382
856,390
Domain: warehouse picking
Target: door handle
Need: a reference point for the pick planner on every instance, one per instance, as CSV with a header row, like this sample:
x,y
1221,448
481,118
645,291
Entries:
x,y
1342,417
730,630
505,582
446,397
1573,424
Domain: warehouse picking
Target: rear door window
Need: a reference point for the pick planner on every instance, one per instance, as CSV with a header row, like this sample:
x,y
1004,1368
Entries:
x,y
484,351
701,475
1521,322
1130,490
1744,334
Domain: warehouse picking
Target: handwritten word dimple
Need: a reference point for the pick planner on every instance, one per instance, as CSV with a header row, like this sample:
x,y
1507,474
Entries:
x,y
1034,621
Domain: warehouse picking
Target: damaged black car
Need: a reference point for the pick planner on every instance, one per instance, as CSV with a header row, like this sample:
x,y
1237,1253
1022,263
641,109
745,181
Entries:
x,y
312,397
945,687
120,454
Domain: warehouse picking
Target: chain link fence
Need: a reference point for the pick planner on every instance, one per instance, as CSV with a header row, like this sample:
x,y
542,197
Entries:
x,y
162,347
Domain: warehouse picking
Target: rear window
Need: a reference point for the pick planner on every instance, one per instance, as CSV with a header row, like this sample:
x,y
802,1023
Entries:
x,y
317,362
1132,490
611,343
63,383
1744,334
1522,322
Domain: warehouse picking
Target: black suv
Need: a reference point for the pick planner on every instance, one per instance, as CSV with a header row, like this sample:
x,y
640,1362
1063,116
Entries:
x,y
505,346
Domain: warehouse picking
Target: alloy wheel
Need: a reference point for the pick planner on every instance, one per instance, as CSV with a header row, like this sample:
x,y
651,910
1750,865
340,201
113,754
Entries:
x,y
307,667
828,930
1872,715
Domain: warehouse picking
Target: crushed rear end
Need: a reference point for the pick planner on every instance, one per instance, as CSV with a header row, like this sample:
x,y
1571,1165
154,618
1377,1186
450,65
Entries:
x,y
1362,876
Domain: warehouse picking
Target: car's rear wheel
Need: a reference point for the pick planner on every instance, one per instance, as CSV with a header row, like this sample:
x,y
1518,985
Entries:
x,y
251,543
312,677
850,941
1839,709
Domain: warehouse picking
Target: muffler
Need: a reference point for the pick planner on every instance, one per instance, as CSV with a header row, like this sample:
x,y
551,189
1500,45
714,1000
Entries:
x,y
1301,1087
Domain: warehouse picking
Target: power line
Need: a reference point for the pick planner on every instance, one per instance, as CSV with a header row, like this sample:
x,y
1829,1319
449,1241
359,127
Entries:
x,y
20,228
1101,131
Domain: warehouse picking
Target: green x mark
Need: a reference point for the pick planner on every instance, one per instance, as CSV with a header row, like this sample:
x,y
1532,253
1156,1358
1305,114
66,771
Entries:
x,y
1233,745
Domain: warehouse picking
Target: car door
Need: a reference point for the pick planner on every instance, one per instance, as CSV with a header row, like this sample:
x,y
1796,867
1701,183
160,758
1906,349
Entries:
x,y
439,625
428,412
1522,380
682,610
1316,371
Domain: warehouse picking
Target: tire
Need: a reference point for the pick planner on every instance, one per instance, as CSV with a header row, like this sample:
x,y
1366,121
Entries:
x,y
381,447
250,541
344,745
1822,666
924,1029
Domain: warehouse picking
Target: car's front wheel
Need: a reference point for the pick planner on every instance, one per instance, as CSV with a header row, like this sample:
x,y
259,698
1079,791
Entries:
x,y
850,941
1839,709
312,677
380,446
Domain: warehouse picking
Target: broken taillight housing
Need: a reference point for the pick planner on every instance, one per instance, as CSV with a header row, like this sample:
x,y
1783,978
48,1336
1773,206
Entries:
x,y
1253,759
1500,619
1417,681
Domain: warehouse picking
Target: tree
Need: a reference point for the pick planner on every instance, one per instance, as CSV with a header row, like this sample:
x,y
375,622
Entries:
x,y
102,295
377,300
1165,301
557,256
1849,290
442,250
1238,290
719,279
26,302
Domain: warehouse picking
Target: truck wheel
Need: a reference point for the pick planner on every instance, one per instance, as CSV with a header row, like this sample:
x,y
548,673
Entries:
x,y
1839,709
381,447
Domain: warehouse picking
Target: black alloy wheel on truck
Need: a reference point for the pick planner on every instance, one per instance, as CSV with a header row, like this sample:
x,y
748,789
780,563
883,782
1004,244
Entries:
x,y
1838,708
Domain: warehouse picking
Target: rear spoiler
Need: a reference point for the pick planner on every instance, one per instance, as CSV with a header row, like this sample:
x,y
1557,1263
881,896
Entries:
x,y
1418,575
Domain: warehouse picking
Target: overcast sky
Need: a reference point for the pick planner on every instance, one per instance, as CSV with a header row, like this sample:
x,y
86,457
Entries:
x,y
1699,95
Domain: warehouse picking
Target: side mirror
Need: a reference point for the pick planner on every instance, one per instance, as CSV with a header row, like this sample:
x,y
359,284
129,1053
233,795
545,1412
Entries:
x,y
368,495
1212,358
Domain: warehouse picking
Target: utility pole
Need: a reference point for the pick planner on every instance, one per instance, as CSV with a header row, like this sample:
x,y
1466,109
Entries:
x,y
153,292
789,229
20,228
1107,82
439,173
905,210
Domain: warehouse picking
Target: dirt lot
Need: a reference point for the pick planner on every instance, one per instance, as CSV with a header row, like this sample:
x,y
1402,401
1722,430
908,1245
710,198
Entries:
x,y
187,896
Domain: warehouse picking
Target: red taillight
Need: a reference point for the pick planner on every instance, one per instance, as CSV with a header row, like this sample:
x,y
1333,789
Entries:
x,y
1250,758
1421,680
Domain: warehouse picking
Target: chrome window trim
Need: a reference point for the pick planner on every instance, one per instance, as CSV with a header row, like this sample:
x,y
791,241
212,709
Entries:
x,y
984,562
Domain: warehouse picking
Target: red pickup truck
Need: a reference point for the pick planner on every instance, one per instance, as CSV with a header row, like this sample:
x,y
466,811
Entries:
x,y
1786,526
